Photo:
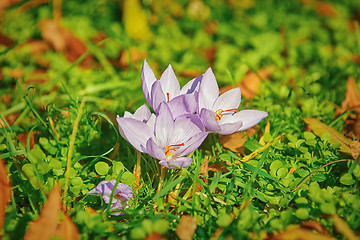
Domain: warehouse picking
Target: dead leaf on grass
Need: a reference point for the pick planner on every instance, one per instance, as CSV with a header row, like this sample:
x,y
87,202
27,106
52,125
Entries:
x,y
63,40
342,227
352,97
234,142
218,167
5,193
300,233
326,9
355,149
44,227
267,130
320,128
135,56
250,84
67,229
186,227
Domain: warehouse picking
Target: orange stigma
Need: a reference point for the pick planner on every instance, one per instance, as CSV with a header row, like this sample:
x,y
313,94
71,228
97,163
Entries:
x,y
220,113
168,97
170,150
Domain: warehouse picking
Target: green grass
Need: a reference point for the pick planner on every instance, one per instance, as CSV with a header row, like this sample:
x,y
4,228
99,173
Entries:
x,y
257,196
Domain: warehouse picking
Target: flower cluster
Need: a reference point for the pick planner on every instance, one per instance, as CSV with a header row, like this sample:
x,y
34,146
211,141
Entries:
x,y
182,118
122,194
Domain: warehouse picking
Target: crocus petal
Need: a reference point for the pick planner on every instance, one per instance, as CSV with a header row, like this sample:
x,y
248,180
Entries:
x,y
181,162
147,80
164,125
192,86
182,104
209,120
157,96
192,144
154,150
135,132
208,91
250,118
228,100
229,128
169,83
142,113
184,129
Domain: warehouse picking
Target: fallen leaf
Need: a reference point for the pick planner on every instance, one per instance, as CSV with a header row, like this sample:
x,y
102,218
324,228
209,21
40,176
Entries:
x,y
135,56
44,227
7,3
23,139
63,40
342,227
355,149
320,128
186,227
250,84
234,142
326,9
5,193
352,98
135,21
299,233
154,236
67,229
218,167
5,40
315,225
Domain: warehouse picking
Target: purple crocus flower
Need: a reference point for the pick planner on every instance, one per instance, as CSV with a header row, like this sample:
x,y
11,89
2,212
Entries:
x,y
167,89
220,113
169,139
121,196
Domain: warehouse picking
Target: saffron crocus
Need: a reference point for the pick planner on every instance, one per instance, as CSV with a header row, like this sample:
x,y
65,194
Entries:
x,y
167,89
169,139
220,113
122,194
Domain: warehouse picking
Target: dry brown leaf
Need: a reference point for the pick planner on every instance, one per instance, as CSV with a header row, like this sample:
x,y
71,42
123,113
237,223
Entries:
x,y
320,128
352,98
342,227
299,233
204,170
44,227
7,3
250,84
5,193
67,229
63,40
23,139
135,56
186,227
315,225
326,9
234,142
154,236
355,149
218,167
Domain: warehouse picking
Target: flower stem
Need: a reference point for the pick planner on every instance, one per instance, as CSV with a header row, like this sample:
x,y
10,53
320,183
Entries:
x,y
162,177
137,169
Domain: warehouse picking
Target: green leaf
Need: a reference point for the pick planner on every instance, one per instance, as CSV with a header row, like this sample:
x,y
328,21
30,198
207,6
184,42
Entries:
x,y
102,168
128,178
347,179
